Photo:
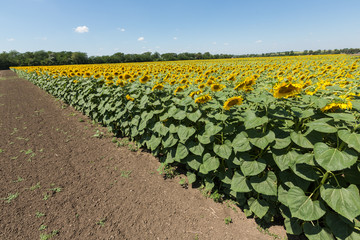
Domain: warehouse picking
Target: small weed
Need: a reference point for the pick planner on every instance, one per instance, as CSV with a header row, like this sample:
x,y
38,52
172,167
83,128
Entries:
x,y
101,222
19,179
98,134
32,188
228,220
72,114
2,150
48,236
125,174
168,171
183,183
13,158
77,215
41,150
132,148
21,138
28,152
11,197
196,237
46,196
55,190
39,214
266,231
42,227
15,130
81,120
114,140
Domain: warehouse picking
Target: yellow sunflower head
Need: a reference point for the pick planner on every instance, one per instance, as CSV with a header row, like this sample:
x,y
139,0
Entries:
x,y
130,98
286,90
232,102
217,87
158,86
203,99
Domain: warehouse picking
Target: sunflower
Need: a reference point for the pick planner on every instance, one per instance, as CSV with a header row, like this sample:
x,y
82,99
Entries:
x,y
232,102
179,89
203,99
158,86
193,94
120,83
202,86
98,75
337,105
130,98
144,79
285,90
217,87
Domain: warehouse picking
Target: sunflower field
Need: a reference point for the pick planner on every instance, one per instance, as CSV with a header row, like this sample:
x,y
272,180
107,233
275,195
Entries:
x,y
280,135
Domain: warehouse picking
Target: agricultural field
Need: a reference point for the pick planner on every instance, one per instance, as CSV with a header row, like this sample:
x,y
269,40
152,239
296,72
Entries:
x,y
279,136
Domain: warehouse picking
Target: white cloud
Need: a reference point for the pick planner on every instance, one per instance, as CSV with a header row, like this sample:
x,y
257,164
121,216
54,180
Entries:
x,y
10,39
141,39
82,29
121,29
175,38
214,43
258,41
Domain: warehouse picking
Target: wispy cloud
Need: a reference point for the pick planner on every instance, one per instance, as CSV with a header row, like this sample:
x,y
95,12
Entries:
x,y
10,39
81,29
175,38
214,43
141,39
258,41
121,29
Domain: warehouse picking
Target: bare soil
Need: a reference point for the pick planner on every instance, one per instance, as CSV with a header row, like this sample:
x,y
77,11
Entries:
x,y
58,181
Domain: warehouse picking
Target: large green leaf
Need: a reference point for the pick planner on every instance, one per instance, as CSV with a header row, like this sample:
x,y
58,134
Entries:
x,y
352,139
169,141
154,142
181,151
259,207
239,183
191,177
321,126
205,139
180,115
293,226
196,148
332,159
266,184
301,140
315,232
347,117
241,143
224,150
210,163
211,129
253,167
281,143
252,121
305,171
341,228
194,162
185,133
345,201
303,207
261,140
194,116
284,159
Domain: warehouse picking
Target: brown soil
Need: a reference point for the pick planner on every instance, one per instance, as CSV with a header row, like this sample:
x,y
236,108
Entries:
x,y
84,187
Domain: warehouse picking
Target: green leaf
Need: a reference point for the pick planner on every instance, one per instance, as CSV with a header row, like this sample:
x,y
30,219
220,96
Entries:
x,y
281,143
161,129
194,116
180,115
303,207
196,149
253,167
194,162
316,232
321,126
293,226
347,117
223,151
352,139
181,151
191,177
261,140
301,140
169,141
154,142
252,121
259,207
241,143
205,139
185,133
210,163
266,184
284,159
305,171
211,129
340,227
332,159
239,183
221,117
345,201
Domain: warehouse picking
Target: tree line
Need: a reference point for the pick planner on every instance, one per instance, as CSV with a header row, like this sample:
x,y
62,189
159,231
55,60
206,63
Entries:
x,y
14,58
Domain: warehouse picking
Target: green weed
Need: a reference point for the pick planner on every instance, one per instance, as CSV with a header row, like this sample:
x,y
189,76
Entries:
x,y
11,197
32,188
228,220
39,214
19,179
101,222
48,236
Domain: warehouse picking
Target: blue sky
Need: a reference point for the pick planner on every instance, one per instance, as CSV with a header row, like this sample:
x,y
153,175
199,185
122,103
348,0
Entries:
x,y
135,26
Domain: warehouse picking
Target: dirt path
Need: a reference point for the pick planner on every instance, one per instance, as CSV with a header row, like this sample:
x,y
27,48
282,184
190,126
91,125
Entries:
x,y
58,179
